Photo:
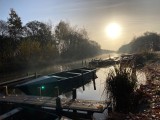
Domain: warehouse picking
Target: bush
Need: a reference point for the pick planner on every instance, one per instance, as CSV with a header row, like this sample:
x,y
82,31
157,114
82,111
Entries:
x,y
121,83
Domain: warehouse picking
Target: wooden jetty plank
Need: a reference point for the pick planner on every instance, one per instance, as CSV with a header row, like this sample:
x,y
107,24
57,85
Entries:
x,y
17,80
70,104
86,105
50,103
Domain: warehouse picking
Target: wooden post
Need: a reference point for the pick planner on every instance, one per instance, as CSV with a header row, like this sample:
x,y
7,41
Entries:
x,y
85,63
93,78
35,74
58,105
74,94
94,84
27,73
6,90
57,90
40,91
82,81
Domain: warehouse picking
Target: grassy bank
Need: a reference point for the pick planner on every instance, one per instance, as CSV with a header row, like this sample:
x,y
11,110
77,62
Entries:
x,y
147,96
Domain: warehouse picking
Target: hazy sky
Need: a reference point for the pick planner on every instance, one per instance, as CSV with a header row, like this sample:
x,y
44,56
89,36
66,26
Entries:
x,y
134,16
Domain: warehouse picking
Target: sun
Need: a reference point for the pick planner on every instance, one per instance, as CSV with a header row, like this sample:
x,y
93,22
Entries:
x,y
113,30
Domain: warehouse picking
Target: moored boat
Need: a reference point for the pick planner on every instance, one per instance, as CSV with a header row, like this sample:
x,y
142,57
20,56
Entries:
x,y
47,85
103,62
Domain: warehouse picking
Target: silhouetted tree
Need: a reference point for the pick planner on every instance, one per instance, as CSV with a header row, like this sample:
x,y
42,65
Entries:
x,y
29,50
74,42
3,28
148,42
14,25
35,43
38,31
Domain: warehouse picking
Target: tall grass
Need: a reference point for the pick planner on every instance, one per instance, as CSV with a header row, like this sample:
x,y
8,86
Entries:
x,y
121,84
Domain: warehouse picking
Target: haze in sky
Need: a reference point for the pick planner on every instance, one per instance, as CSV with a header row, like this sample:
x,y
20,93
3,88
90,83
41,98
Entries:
x,y
133,16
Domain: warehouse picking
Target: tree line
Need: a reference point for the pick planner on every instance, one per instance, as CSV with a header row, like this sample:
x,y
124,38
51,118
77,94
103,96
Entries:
x,y
38,43
148,42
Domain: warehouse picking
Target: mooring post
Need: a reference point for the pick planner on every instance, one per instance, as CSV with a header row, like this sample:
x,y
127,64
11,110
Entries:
x,y
82,62
74,94
27,73
40,91
6,90
57,90
93,78
58,105
35,74
82,81
85,63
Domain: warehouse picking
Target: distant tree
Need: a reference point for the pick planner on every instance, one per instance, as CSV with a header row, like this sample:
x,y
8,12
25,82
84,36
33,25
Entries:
x,y
50,51
62,30
3,28
125,48
147,42
74,42
14,25
38,31
7,49
29,50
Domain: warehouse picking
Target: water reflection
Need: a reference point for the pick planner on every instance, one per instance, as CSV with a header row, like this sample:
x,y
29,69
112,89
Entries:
x,y
89,93
100,93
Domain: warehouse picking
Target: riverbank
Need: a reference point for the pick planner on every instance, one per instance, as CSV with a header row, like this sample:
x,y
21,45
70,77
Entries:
x,y
149,105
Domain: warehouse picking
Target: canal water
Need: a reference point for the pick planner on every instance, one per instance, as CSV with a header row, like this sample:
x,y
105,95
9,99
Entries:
x,y
89,93
100,93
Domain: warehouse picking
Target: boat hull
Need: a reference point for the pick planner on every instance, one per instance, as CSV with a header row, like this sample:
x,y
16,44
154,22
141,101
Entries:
x,y
64,82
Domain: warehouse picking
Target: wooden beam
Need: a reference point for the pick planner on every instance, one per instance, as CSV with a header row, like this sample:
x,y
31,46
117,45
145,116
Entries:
x,y
74,94
93,78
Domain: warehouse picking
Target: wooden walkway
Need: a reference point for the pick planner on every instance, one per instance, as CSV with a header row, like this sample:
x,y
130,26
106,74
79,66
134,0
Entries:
x,y
18,80
67,104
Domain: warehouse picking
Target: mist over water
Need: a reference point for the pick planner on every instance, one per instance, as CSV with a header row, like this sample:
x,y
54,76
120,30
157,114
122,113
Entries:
x,y
89,93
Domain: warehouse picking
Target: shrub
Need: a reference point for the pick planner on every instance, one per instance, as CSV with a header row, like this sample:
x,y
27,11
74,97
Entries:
x,y
121,83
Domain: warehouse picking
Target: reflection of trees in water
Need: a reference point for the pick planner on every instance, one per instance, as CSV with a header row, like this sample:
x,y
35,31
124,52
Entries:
x,y
60,68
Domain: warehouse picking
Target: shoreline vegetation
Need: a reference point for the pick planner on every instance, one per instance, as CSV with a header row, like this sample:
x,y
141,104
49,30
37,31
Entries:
x,y
38,44
148,95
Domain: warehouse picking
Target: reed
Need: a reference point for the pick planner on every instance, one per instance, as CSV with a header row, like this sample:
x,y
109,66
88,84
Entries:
x,y
121,84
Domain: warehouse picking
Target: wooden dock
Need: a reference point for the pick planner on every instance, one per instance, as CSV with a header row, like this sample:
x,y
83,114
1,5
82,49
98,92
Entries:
x,y
67,104
18,80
